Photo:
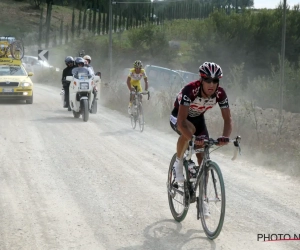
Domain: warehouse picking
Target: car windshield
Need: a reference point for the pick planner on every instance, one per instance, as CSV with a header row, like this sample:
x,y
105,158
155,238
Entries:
x,y
44,63
162,79
12,71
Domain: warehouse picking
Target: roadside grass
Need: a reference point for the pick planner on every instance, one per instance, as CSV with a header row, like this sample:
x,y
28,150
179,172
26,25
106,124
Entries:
x,y
261,142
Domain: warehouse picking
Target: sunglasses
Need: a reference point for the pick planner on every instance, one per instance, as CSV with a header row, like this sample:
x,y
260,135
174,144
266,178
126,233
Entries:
x,y
210,80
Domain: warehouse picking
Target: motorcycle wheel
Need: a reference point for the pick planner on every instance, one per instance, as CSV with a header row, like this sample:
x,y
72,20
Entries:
x,y
84,106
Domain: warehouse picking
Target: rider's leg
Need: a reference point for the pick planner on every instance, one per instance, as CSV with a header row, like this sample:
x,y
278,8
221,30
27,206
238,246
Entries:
x,y
130,103
182,145
67,103
201,130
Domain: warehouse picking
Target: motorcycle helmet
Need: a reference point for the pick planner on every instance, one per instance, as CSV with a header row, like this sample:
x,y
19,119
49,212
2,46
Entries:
x,y
69,59
79,60
88,58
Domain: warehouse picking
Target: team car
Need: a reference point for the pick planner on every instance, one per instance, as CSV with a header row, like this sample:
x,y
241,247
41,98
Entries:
x,y
15,82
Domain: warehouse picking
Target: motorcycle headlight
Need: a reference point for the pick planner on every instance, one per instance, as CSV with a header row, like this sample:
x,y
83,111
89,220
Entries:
x,y
25,84
84,85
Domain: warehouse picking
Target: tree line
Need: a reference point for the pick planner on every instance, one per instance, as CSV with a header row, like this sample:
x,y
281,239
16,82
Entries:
x,y
93,15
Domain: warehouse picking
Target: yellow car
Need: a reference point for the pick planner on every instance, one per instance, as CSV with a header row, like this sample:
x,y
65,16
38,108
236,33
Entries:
x,y
15,82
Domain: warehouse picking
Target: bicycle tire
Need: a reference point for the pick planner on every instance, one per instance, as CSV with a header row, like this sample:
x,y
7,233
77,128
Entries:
x,y
141,117
133,121
17,50
177,215
214,170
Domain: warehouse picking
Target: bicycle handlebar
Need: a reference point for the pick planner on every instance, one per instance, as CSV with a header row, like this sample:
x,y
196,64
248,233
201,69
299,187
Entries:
x,y
210,142
142,93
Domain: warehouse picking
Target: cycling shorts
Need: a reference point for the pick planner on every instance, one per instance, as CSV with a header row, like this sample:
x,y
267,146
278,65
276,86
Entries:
x,y
138,85
198,122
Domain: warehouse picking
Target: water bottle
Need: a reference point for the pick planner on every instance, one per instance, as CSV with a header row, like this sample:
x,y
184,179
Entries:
x,y
192,170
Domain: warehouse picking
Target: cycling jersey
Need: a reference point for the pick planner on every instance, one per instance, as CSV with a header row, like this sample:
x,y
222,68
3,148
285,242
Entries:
x,y
190,95
136,77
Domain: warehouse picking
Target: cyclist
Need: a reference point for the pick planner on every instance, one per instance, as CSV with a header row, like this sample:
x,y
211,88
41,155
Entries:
x,y
187,117
133,80
69,61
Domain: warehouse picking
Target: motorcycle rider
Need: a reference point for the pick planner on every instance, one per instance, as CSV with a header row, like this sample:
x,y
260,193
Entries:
x,y
69,61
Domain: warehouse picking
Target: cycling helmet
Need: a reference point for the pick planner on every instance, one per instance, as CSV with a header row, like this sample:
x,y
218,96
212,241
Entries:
x,y
69,59
210,69
87,57
79,60
138,64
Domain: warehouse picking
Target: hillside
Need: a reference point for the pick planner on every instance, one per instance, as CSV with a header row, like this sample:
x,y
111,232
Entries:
x,y
21,19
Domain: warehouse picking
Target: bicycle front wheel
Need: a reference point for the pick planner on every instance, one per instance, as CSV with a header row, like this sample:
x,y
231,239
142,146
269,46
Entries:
x,y
212,200
133,116
179,199
17,50
141,117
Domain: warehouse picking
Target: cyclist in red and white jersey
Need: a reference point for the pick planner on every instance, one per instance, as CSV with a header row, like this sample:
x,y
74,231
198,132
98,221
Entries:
x,y
187,117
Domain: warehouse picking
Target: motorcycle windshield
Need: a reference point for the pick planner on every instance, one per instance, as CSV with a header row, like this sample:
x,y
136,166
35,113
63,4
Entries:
x,y
82,73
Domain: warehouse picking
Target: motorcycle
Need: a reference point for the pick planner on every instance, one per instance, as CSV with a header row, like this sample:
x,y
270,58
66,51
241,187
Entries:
x,y
82,93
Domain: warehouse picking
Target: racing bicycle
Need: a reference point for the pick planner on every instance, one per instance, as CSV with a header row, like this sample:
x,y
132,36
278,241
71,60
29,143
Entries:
x,y
9,46
205,188
137,109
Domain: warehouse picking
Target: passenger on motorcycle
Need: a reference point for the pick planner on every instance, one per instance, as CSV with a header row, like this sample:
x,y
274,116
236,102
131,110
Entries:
x,y
79,62
69,60
88,59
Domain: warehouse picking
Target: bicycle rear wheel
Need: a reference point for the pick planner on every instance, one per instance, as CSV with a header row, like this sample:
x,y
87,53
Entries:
x,y
141,117
179,199
17,50
212,200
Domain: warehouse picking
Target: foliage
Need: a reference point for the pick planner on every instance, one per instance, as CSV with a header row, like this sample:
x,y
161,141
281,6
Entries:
x,y
151,41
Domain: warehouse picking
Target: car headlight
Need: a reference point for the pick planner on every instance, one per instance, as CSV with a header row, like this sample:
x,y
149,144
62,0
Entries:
x,y
25,84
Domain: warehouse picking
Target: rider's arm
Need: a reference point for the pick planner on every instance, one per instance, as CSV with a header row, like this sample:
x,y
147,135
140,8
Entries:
x,y
128,83
63,75
146,83
182,126
227,121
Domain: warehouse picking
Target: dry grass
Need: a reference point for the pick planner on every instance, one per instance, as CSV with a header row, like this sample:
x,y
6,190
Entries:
x,y
261,141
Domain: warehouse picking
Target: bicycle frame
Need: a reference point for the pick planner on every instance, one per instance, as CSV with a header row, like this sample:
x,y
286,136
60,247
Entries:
x,y
205,162
206,156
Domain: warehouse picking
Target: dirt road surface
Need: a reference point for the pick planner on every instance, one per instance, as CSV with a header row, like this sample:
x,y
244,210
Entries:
x,y
67,184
